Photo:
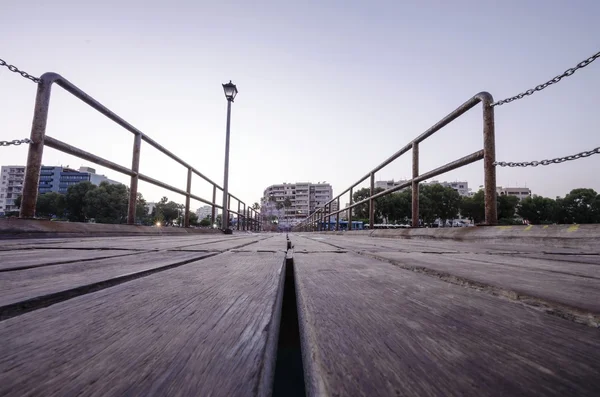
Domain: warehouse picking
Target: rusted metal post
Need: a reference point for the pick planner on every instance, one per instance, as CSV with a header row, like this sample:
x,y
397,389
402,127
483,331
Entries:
x,y
36,149
228,209
489,157
329,217
349,212
133,186
372,203
337,217
238,215
214,209
186,222
415,185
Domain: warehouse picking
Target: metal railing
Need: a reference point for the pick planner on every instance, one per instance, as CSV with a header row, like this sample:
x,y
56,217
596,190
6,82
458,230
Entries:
x,y
39,139
316,221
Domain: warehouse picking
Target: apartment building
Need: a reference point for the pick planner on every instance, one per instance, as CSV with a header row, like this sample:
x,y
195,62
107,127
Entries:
x,y
520,192
204,211
304,197
52,179
11,187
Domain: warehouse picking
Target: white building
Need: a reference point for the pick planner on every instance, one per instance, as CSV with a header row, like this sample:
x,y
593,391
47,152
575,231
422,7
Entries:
x,y
304,197
11,187
520,192
203,212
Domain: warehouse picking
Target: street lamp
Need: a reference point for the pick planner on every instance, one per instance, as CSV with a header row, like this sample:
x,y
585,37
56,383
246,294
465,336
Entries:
x,y
230,92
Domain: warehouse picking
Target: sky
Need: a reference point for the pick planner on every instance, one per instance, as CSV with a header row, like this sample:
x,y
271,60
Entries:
x,y
327,89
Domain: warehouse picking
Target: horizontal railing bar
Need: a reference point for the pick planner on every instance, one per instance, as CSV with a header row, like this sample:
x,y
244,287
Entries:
x,y
471,158
77,92
72,150
462,109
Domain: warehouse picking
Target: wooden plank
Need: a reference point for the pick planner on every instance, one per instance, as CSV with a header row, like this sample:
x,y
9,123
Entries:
x,y
33,258
314,244
371,329
129,243
208,328
221,245
21,285
565,287
273,243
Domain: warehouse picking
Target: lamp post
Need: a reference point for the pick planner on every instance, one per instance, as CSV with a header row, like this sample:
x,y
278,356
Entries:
x,y
230,93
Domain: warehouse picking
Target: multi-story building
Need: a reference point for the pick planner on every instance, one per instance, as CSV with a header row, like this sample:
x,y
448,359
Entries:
x,y
304,199
203,212
520,192
52,179
11,187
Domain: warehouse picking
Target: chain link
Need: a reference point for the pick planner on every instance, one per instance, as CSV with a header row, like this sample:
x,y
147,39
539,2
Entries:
x,y
13,68
548,162
555,80
15,142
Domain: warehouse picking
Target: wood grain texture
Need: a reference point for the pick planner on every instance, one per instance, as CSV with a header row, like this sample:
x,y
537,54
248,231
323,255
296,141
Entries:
x,y
20,285
32,258
208,328
372,329
565,287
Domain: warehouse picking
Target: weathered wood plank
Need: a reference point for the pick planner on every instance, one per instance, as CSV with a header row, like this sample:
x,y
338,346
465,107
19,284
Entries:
x,y
221,245
33,258
372,329
21,285
314,244
565,287
208,328
274,242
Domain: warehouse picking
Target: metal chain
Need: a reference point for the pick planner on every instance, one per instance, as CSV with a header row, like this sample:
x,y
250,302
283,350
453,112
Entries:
x,y
555,80
15,142
13,68
548,162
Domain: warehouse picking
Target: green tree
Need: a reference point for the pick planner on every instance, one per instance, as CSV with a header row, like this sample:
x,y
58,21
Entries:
x,y
18,200
581,206
141,210
50,205
75,201
166,212
194,221
507,206
537,209
205,222
362,211
474,207
107,204
396,207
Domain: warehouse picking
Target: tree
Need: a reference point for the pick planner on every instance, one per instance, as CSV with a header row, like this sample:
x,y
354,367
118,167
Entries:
x,y
474,207
581,206
194,221
18,200
141,210
107,204
50,205
205,222
166,212
438,202
362,211
256,206
537,209
396,207
507,206
75,201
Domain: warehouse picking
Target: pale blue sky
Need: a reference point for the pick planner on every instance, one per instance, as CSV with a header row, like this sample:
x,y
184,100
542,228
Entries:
x,y
328,89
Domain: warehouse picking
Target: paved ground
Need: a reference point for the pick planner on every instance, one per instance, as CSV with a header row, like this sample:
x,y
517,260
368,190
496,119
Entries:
x,y
334,315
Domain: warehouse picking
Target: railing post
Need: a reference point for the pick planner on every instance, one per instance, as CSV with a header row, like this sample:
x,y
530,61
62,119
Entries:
x,y
238,215
228,209
415,185
133,186
349,212
186,222
329,217
36,150
489,158
372,203
214,209
337,217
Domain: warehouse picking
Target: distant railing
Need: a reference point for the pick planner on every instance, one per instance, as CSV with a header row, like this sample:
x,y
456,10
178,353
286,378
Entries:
x,y
316,220
39,139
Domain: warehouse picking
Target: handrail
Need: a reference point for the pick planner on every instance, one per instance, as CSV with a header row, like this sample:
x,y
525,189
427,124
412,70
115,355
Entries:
x,y
316,220
39,139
